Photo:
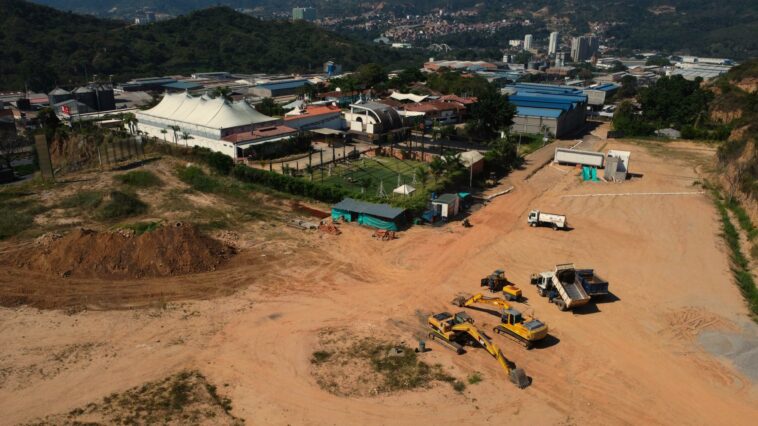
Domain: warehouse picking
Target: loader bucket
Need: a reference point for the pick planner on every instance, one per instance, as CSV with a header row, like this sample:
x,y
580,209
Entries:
x,y
519,378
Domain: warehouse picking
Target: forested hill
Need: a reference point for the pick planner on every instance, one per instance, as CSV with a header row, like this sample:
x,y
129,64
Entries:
x,y
44,47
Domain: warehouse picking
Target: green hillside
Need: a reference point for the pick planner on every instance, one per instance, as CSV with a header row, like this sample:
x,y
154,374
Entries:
x,y
46,47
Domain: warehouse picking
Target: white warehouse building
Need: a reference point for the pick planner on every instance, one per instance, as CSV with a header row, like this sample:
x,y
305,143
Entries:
x,y
214,123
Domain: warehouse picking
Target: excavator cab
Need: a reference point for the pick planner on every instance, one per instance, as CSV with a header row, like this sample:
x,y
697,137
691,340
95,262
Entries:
x,y
511,317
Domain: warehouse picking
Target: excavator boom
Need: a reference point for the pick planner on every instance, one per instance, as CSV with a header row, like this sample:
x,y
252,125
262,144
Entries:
x,y
517,376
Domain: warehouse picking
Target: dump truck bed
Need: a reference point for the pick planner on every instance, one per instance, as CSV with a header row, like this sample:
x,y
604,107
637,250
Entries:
x,y
571,291
592,284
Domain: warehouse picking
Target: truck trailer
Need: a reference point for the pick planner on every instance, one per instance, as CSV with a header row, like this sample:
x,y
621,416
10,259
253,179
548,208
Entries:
x,y
574,156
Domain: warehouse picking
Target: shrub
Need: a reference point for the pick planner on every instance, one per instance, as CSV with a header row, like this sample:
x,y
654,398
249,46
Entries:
x,y
459,386
142,227
320,357
221,163
198,180
474,378
83,199
122,205
289,184
139,179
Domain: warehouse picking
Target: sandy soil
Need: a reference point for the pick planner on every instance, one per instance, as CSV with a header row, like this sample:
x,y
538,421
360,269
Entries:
x,y
634,359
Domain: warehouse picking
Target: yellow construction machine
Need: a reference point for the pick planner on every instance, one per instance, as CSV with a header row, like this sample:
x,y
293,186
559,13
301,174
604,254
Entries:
x,y
525,330
455,331
496,281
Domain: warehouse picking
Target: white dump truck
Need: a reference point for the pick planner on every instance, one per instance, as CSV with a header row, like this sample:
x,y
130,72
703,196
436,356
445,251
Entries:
x,y
538,218
562,287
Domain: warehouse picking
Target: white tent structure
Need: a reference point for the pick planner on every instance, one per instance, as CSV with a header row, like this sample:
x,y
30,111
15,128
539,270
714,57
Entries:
x,y
205,120
404,190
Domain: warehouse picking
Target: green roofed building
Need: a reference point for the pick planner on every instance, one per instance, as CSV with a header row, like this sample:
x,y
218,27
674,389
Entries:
x,y
380,216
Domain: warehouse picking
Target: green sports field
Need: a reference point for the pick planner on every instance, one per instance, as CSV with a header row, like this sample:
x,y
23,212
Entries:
x,y
370,173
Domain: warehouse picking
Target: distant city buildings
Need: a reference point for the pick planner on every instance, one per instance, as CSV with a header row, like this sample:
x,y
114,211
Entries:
x,y
583,48
146,16
528,42
515,43
303,14
553,43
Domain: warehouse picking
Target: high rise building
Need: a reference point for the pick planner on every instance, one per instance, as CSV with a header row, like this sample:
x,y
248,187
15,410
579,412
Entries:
x,y
553,45
583,48
528,42
303,14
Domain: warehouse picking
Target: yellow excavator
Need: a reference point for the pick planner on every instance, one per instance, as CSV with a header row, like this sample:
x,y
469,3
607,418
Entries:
x,y
512,323
454,331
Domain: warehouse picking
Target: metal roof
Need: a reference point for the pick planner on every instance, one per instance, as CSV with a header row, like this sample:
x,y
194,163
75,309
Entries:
x,y
286,84
182,85
539,112
446,198
379,210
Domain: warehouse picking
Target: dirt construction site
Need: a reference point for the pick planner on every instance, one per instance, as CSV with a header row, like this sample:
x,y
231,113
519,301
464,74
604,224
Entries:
x,y
276,332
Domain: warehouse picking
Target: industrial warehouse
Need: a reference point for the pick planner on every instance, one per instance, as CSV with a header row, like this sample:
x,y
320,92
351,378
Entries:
x,y
559,110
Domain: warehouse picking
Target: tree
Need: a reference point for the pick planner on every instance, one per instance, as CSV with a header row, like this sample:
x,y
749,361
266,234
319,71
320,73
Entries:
x,y
164,131
491,114
628,87
658,61
437,167
186,136
503,154
674,101
269,107
618,66
131,122
223,92
627,121
421,174
371,74
175,129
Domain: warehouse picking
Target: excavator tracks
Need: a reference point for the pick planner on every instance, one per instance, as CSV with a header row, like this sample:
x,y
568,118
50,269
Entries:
x,y
499,329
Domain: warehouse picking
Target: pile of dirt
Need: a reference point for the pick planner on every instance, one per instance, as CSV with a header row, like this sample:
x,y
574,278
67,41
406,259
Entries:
x,y
170,250
184,398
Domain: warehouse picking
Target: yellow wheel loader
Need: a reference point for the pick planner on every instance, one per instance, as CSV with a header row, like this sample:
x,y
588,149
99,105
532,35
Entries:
x,y
455,331
525,330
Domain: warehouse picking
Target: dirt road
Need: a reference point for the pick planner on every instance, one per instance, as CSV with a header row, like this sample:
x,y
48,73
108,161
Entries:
x,y
633,359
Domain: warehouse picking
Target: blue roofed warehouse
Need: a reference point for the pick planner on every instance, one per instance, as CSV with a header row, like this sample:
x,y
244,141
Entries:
x,y
380,216
561,110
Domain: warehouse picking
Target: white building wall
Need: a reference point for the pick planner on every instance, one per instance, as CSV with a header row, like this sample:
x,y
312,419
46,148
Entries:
x,y
217,145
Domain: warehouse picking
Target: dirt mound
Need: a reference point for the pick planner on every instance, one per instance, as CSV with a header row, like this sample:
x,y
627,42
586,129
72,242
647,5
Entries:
x,y
184,398
171,250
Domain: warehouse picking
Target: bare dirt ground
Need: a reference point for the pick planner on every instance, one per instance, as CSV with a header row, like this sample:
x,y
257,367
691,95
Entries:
x,y
634,359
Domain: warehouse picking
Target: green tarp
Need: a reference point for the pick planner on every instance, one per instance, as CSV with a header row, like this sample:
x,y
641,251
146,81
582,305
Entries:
x,y
375,222
338,214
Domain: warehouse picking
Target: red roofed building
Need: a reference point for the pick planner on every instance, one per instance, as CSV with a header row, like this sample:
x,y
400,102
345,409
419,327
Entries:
x,y
438,112
315,117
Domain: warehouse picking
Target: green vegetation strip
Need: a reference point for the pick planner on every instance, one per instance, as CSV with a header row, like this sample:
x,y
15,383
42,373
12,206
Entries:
x,y
740,264
139,179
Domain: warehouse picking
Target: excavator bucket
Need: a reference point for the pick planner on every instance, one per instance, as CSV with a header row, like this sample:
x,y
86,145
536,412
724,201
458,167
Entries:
x,y
519,378
459,301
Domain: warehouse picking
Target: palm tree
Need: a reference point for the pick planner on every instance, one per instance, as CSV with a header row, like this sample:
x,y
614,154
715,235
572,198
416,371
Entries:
x,y
186,136
421,174
131,121
164,131
174,129
437,167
